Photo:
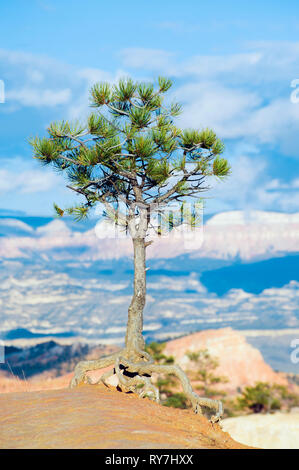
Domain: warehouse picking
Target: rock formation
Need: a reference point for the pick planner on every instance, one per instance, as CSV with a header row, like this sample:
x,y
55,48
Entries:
x,y
272,431
239,361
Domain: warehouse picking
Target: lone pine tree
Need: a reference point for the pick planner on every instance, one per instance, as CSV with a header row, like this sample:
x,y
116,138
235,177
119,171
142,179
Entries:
x,y
129,150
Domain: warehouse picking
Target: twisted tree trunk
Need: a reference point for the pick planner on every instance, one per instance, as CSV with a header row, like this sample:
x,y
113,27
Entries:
x,y
134,338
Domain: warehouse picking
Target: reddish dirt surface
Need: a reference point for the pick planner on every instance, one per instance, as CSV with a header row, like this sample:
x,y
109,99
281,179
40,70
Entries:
x,y
34,384
95,417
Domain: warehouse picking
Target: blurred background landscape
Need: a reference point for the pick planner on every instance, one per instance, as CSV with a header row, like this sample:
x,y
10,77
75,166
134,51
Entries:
x,y
59,280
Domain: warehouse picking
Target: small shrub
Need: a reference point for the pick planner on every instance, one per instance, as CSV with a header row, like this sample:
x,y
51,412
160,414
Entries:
x,y
263,397
177,400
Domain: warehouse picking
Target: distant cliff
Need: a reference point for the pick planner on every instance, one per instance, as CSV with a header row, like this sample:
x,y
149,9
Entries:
x,y
239,361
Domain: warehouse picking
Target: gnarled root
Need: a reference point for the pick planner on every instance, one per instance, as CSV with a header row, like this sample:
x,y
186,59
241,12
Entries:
x,y
105,376
137,383
85,366
135,377
197,402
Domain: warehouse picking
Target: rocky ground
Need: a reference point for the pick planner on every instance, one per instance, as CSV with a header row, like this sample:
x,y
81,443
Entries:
x,y
44,413
95,417
272,431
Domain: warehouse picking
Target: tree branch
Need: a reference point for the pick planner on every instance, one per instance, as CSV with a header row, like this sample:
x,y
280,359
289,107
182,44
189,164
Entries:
x,y
171,191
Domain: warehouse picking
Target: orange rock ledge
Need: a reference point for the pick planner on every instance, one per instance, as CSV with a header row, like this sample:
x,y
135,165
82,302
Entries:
x,y
94,417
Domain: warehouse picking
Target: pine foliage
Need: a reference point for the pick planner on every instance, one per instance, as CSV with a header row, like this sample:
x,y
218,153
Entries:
x,y
130,140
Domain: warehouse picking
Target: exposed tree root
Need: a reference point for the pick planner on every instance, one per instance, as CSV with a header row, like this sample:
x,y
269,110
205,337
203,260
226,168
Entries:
x,y
136,383
136,377
105,376
85,366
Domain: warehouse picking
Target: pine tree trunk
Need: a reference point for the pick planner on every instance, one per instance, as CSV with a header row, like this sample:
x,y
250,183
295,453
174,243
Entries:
x,y
134,338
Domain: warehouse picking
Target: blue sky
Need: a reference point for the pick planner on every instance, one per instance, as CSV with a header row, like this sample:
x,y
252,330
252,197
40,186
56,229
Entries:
x,y
232,65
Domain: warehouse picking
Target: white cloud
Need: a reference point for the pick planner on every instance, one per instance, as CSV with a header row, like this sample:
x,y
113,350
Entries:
x,y
250,186
92,75
148,59
244,95
179,27
276,123
264,62
35,81
276,185
212,66
280,196
17,177
39,81
240,190
80,108
221,108
39,97
35,75
235,113
239,95
18,58
56,227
